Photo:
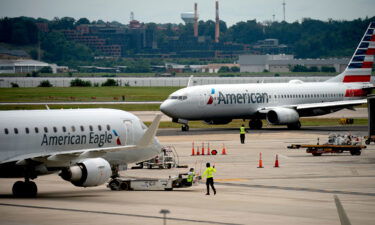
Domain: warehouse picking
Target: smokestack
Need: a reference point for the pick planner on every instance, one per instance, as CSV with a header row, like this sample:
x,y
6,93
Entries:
x,y
217,27
195,20
284,9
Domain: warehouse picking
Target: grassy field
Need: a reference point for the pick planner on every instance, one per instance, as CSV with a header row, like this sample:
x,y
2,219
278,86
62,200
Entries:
x,y
127,107
85,94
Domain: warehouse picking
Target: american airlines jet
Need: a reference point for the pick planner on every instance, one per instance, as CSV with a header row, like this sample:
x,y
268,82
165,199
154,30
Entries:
x,y
279,103
86,146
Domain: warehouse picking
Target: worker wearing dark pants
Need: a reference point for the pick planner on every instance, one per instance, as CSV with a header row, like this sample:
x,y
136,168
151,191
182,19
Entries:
x,y
210,178
242,134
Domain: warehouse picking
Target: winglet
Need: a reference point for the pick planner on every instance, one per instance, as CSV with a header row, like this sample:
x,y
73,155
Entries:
x,y
149,135
342,214
190,82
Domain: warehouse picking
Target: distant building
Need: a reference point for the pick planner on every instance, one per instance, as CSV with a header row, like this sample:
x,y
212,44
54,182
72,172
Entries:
x,y
23,66
93,41
13,54
43,27
214,68
271,46
284,63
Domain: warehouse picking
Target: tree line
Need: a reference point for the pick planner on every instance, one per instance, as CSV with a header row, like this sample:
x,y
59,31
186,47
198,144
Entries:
x,y
308,38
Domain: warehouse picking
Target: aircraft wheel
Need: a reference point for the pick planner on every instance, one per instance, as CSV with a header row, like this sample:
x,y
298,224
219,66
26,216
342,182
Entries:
x,y
255,124
185,127
258,124
294,126
24,189
114,185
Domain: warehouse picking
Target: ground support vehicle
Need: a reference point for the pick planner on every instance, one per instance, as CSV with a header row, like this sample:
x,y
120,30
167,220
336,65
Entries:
x,y
150,184
318,150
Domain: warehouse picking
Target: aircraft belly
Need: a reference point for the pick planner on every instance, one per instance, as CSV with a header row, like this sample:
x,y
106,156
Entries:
x,y
232,111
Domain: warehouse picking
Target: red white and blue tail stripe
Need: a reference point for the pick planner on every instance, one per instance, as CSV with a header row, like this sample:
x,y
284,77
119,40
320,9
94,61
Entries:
x,y
360,65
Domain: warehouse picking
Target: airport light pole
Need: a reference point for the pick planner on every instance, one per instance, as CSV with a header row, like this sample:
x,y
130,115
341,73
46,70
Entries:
x,y
164,212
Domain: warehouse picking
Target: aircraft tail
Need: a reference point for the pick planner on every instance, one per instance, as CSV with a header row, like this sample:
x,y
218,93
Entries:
x,y
360,65
150,133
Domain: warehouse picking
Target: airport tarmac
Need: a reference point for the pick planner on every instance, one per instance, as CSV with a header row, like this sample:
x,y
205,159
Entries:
x,y
299,192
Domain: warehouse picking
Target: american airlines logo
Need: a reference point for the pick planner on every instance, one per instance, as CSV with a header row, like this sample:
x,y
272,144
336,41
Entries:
x,y
238,98
76,139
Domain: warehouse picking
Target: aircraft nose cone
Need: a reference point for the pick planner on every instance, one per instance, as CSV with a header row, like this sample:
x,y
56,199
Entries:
x,y
166,108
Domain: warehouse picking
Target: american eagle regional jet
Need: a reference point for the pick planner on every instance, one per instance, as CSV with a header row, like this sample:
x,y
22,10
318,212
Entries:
x,y
85,146
279,103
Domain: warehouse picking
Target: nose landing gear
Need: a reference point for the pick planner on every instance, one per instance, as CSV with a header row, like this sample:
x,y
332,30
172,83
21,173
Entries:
x,y
185,127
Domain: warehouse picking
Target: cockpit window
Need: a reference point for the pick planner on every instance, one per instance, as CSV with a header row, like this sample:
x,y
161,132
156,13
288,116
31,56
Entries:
x,y
181,98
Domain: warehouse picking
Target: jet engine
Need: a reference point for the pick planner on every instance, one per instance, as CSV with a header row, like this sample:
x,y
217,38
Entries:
x,y
218,121
281,116
88,172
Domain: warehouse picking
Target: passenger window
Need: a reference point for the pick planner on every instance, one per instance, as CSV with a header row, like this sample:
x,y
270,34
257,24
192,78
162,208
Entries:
x,y
73,129
108,127
45,130
64,129
82,128
15,130
36,130
90,127
99,127
27,130
6,131
54,129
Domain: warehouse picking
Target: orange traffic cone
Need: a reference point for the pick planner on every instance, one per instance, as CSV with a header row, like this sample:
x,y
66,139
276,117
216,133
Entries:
x,y
198,153
260,161
202,148
277,161
224,151
208,148
192,149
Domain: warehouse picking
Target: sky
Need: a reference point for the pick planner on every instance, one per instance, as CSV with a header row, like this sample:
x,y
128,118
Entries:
x,y
169,11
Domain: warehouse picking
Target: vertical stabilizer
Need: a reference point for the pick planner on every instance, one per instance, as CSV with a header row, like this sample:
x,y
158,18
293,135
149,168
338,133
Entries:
x,y
360,65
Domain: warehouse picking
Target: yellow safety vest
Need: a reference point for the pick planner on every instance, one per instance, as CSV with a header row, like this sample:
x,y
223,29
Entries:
x,y
209,172
190,177
242,130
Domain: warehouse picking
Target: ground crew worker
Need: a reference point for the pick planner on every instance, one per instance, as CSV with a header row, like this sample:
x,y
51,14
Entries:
x,y
242,134
188,181
190,177
208,173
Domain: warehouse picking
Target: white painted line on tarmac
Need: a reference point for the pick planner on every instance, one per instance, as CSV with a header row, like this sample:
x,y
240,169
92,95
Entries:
x,y
284,156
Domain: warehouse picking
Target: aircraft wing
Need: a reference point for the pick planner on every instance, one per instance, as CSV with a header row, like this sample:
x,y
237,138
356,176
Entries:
x,y
75,155
307,106
340,104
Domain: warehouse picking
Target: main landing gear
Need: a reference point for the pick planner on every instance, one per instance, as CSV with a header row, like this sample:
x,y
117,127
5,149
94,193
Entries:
x,y
255,124
294,126
185,127
25,189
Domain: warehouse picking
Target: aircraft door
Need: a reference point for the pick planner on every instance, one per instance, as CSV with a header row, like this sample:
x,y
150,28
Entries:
x,y
128,132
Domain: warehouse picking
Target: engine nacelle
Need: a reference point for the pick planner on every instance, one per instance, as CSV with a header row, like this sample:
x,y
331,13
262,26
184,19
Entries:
x,y
281,116
218,121
88,172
